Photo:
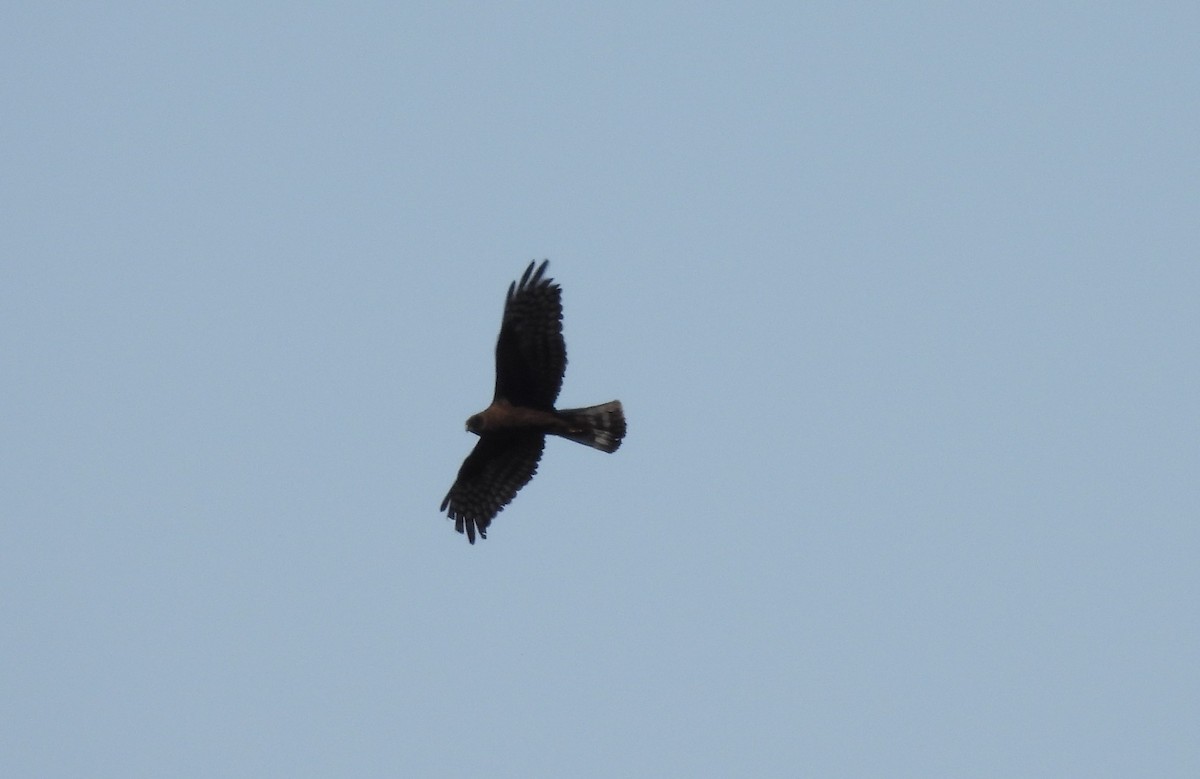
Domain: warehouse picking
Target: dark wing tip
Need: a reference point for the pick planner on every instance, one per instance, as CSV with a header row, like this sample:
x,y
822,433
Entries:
x,y
529,279
535,278
462,523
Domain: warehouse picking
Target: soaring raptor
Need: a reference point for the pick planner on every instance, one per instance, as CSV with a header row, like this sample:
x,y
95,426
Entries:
x,y
531,358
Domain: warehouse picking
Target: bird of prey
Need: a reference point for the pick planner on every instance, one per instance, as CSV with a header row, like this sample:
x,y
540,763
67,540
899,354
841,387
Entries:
x,y
531,358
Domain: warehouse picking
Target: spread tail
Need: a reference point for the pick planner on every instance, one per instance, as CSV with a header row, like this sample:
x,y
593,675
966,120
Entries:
x,y
601,426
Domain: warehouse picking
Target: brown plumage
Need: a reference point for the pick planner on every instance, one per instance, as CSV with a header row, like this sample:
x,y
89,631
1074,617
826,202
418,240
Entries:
x,y
531,359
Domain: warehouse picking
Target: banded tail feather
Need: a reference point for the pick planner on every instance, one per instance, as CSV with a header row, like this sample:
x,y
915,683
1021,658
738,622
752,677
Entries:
x,y
601,427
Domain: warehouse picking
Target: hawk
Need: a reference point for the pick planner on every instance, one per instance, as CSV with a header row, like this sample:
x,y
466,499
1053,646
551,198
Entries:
x,y
531,358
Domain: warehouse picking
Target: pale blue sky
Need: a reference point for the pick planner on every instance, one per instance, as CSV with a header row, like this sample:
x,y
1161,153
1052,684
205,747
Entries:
x,y
901,301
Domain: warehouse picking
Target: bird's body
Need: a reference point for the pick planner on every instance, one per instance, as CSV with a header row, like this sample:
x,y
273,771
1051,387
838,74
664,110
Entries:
x,y
531,358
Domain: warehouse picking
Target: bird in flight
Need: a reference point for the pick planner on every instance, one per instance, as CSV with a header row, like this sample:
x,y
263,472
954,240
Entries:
x,y
531,358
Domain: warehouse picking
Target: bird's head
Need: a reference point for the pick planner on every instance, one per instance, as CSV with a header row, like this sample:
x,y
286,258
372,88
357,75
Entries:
x,y
475,424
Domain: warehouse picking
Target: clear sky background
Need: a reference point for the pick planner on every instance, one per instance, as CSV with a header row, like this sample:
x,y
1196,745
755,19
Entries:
x,y
901,301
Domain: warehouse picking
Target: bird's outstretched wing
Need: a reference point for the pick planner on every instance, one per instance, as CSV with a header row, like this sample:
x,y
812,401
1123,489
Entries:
x,y
531,356
498,466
